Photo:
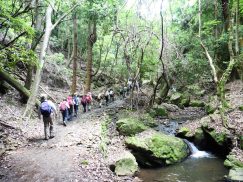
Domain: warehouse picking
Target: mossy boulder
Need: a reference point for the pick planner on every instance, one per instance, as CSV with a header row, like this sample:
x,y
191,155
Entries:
x,y
196,90
199,136
185,132
152,148
179,99
130,126
235,175
185,101
158,111
232,162
241,108
219,137
176,98
126,166
197,103
147,120
212,105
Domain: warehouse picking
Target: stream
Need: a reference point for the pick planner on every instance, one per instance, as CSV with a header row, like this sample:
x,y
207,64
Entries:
x,y
200,166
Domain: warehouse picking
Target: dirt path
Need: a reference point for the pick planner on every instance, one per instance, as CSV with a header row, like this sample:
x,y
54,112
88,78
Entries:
x,y
73,155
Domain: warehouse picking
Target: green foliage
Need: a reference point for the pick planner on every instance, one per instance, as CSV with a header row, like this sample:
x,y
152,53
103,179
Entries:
x,y
13,20
57,58
11,56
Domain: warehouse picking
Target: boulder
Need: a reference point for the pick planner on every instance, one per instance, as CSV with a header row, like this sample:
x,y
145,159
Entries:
x,y
185,132
219,137
232,162
158,111
197,103
180,100
170,107
152,148
235,175
241,108
126,165
176,98
199,137
212,105
130,126
147,120
196,90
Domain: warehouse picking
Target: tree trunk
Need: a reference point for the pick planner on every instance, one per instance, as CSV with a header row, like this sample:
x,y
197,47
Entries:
x,y
164,74
75,49
237,17
14,83
90,42
35,41
225,11
210,60
38,74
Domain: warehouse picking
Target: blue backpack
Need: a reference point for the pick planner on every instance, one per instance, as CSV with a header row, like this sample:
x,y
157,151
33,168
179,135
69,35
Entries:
x,y
76,100
45,109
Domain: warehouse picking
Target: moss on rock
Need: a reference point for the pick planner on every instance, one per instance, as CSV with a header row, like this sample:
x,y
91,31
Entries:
x,y
130,126
197,103
157,149
232,162
184,132
199,136
179,99
176,98
147,120
212,105
220,138
126,166
158,111
241,108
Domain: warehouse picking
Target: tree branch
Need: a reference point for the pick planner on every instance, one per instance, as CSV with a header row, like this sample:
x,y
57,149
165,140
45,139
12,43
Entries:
x,y
64,15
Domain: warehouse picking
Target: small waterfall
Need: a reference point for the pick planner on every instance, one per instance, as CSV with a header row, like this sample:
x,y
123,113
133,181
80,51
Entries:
x,y
195,153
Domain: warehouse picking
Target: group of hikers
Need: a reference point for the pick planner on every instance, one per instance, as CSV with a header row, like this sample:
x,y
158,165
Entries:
x,y
69,106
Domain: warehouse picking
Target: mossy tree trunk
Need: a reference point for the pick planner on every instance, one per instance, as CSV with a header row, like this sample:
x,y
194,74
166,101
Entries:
x,y
15,84
227,72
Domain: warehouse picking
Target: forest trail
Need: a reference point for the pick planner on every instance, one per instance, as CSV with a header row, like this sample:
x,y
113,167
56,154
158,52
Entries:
x,y
72,155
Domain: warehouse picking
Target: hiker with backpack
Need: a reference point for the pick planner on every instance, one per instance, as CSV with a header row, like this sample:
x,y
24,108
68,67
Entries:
x,y
89,100
99,99
84,102
75,104
112,95
70,109
63,107
107,97
47,109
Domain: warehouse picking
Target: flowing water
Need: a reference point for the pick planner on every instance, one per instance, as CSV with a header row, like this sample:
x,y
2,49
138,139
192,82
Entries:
x,y
199,167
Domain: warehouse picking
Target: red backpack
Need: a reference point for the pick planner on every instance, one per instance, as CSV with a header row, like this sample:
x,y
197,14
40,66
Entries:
x,y
84,100
62,106
89,98
70,100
